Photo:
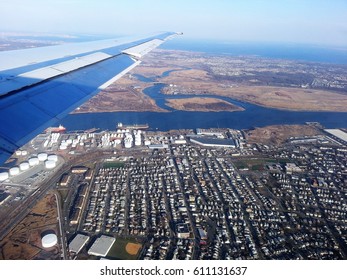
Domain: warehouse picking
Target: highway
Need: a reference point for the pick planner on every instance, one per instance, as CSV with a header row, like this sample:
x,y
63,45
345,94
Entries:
x,y
61,229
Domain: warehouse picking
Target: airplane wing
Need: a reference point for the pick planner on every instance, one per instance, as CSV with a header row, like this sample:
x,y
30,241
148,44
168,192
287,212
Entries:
x,y
40,86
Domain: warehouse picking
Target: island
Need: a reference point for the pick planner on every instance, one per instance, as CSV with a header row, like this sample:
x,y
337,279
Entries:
x,y
202,104
117,98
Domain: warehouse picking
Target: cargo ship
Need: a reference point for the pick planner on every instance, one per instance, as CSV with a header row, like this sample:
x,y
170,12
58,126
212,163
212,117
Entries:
x,y
59,129
132,126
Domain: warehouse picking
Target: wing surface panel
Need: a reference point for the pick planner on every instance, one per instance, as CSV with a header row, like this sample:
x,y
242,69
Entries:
x,y
143,49
19,61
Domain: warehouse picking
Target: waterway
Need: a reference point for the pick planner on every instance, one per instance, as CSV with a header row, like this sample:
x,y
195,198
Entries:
x,y
252,115
293,51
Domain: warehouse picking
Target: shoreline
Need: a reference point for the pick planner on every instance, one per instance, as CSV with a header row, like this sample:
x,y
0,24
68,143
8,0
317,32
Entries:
x,y
189,73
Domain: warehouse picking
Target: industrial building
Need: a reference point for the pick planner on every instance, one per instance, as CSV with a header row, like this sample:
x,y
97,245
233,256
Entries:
x,y
78,243
158,146
180,141
89,174
338,133
76,215
210,132
101,246
202,233
79,170
213,142
65,180
182,231
292,168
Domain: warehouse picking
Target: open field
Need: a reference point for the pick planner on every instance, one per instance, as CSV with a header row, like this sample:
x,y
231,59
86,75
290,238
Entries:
x,y
113,164
297,99
124,249
252,164
133,248
24,241
116,100
202,104
278,134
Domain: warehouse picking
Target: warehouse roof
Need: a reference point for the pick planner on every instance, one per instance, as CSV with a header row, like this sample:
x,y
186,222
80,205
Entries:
x,y
338,133
78,243
101,246
213,142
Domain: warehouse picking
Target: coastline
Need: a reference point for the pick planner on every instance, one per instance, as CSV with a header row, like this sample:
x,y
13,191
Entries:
x,y
190,73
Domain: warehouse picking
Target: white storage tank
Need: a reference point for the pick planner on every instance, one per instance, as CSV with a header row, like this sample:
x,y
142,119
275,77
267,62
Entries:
x,y
138,143
42,156
14,171
52,158
127,143
34,161
49,240
63,146
50,164
137,140
147,142
24,166
3,176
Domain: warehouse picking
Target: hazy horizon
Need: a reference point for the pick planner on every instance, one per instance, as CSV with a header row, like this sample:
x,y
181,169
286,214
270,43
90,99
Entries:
x,y
290,21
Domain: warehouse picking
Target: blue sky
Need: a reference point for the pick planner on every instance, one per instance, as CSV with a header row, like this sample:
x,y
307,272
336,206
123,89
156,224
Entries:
x,y
295,21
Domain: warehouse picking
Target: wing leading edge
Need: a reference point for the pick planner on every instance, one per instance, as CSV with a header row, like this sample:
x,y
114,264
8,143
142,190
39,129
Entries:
x,y
40,86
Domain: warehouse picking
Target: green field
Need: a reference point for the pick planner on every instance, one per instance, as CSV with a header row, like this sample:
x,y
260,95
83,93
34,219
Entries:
x,y
253,164
118,249
113,164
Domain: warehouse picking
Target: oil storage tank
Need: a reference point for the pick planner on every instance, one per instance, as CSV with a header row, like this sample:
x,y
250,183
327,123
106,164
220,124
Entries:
x,y
24,166
49,240
14,171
